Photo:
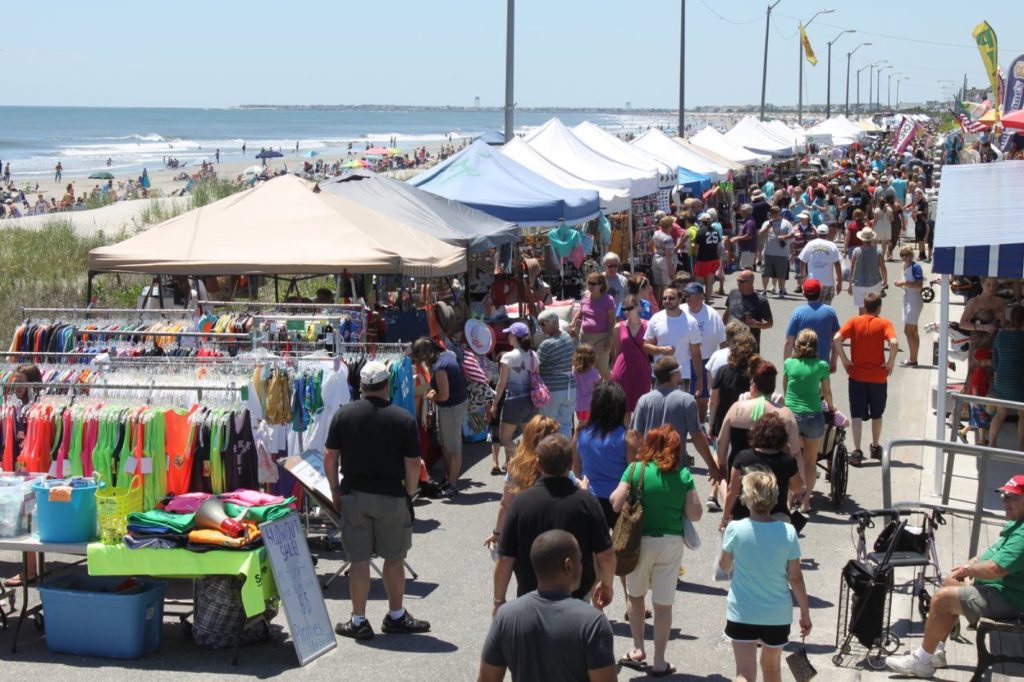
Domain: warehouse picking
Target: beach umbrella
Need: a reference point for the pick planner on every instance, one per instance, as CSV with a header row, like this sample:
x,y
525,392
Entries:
x,y
355,163
394,150
269,154
310,154
253,170
101,175
376,150
1014,120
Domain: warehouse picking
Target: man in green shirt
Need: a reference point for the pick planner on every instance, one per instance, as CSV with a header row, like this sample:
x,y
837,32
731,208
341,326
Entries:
x,y
996,589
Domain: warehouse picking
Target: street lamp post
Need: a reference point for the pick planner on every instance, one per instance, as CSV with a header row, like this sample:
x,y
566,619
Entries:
x,y
871,82
800,78
878,84
866,66
764,63
828,91
888,90
848,55
510,44
898,81
682,70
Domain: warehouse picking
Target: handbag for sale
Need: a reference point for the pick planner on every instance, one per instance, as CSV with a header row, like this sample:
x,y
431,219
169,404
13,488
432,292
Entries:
x,y
628,531
404,322
539,393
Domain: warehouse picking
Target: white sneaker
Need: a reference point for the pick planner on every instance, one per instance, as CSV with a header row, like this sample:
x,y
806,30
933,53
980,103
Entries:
x,y
713,505
910,665
939,660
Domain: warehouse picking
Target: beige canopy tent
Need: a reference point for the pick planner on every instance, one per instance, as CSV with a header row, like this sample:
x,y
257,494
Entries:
x,y
281,227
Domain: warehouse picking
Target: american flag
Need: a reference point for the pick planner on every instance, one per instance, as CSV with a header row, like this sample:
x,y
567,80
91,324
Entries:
x,y
966,124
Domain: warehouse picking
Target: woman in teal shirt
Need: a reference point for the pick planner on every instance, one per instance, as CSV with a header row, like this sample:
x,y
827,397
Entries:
x,y
805,380
667,492
764,556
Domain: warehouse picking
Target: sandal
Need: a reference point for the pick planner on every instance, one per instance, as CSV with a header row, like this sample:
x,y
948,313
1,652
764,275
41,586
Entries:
x,y
633,663
647,615
496,471
668,670
857,458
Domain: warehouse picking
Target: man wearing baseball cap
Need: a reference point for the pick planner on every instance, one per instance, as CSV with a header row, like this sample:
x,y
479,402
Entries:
x,y
989,586
820,260
377,446
817,316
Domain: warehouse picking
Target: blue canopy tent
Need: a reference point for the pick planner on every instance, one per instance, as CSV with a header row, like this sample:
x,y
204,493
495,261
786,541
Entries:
x,y
489,181
694,182
977,234
439,217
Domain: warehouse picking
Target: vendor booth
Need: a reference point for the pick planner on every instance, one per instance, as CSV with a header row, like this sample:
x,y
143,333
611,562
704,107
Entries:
x,y
716,142
757,137
662,147
608,145
977,234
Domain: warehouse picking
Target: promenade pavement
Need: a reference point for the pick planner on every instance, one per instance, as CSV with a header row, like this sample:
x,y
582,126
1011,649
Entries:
x,y
453,590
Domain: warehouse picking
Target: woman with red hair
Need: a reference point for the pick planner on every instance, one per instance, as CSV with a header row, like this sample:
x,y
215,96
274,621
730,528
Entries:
x,y
668,492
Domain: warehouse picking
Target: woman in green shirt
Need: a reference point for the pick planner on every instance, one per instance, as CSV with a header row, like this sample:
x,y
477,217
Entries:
x,y
805,380
668,492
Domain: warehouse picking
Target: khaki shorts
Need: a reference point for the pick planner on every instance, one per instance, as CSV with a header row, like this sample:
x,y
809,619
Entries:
x,y
746,260
375,525
977,601
657,570
449,426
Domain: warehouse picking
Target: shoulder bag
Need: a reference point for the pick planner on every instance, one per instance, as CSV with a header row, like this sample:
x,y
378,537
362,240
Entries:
x,y
628,529
539,393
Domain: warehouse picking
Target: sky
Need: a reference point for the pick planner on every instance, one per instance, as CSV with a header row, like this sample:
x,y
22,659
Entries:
x,y
576,53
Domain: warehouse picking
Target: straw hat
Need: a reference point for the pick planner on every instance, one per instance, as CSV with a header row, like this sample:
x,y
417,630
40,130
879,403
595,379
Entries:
x,y
867,235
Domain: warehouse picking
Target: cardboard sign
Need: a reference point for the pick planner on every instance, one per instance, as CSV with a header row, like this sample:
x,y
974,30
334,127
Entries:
x,y
308,622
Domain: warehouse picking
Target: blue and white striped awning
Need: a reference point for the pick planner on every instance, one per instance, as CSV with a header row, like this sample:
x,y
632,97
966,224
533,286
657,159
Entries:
x,y
979,221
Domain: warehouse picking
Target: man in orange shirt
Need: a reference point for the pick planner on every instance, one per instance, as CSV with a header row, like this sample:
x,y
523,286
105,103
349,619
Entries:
x,y
868,370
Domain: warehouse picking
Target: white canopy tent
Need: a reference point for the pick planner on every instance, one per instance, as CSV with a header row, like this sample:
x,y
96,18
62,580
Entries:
x,y
606,144
799,139
663,147
844,132
558,145
750,133
710,156
613,199
714,141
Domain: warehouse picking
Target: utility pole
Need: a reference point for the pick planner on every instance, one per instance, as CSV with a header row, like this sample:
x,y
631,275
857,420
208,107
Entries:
x,y
682,70
888,91
828,88
764,63
800,77
510,45
878,85
848,55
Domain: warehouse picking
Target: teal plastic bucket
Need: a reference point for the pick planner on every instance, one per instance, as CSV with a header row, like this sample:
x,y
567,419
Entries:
x,y
66,521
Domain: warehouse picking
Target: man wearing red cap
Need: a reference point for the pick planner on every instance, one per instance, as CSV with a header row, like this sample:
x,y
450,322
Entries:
x,y
815,315
990,586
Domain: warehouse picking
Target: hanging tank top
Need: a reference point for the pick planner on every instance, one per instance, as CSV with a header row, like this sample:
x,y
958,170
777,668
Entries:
x,y
240,464
179,451
200,475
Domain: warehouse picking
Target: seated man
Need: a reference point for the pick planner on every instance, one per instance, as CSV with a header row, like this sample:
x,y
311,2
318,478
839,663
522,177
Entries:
x,y
996,590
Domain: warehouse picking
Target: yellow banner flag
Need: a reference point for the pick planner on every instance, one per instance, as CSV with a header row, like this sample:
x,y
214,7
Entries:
x,y
808,52
988,46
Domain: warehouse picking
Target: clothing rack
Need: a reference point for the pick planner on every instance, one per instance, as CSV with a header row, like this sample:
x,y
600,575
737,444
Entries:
x,y
285,306
153,386
226,336
127,312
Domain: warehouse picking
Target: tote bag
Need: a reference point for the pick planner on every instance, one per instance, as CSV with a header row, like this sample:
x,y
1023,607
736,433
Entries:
x,y
628,529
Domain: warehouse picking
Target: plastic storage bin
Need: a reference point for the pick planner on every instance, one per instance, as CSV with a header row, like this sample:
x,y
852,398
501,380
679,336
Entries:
x,y
71,520
86,615
17,504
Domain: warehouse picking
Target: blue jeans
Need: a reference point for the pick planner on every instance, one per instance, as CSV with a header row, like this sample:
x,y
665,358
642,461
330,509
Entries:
x,y
562,407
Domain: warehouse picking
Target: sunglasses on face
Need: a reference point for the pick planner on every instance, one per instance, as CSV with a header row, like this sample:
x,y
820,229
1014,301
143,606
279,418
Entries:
x,y
627,308
669,298
744,281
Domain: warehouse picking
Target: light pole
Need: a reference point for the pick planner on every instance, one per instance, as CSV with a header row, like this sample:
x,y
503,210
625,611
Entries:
x,y
898,80
848,55
828,88
866,66
888,90
800,78
878,84
871,81
764,63
682,70
510,44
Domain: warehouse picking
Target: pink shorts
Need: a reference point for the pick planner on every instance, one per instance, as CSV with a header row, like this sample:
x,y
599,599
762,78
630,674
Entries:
x,y
706,268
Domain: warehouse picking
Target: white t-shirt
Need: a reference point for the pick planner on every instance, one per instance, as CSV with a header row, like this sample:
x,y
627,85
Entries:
x,y
679,331
712,329
821,255
663,244
520,364
718,360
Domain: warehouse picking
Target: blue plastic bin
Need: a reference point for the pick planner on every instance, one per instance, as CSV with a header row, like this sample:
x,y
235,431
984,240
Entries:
x,y
73,521
84,615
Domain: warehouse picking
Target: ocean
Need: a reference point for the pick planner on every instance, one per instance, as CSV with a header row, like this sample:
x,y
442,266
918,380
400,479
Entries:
x,y
34,139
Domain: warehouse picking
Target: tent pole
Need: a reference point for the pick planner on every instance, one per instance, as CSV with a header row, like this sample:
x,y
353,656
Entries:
x,y
941,388
88,288
277,295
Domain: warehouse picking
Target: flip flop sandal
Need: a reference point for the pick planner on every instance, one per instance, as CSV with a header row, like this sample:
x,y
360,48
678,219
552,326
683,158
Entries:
x,y
669,670
627,661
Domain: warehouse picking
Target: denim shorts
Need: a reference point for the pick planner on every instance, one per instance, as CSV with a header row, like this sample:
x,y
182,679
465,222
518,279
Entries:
x,y
810,424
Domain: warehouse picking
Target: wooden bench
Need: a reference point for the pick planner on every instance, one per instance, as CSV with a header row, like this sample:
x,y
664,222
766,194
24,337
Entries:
x,y
986,658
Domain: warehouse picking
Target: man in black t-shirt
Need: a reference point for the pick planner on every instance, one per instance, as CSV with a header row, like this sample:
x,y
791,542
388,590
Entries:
x,y
554,502
921,229
708,260
378,448
745,304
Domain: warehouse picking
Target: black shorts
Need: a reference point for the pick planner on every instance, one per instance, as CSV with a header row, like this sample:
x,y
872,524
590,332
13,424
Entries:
x,y
773,636
867,400
610,515
920,230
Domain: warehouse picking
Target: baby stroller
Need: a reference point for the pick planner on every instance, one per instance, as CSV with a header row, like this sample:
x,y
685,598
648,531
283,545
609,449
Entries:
x,y
833,458
865,605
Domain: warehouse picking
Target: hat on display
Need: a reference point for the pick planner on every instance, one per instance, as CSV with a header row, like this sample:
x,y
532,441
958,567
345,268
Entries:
x,y
756,193
374,372
518,330
693,288
811,287
867,235
479,336
823,230
1015,486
